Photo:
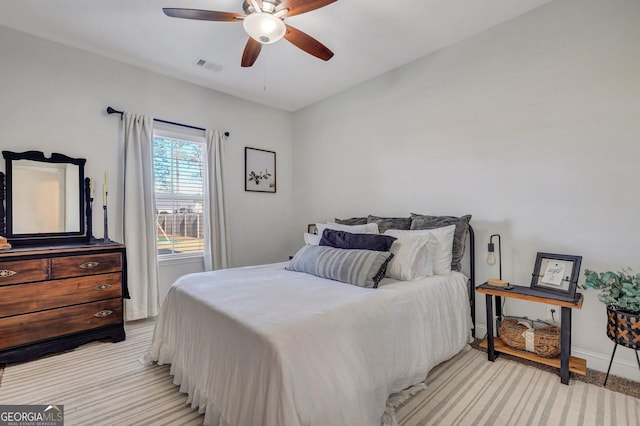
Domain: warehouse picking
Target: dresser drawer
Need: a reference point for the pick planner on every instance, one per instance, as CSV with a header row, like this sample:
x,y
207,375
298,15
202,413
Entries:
x,y
75,266
34,327
23,271
22,298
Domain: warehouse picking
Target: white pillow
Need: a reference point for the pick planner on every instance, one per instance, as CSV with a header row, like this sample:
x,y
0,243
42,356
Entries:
x,y
444,246
368,228
412,256
312,239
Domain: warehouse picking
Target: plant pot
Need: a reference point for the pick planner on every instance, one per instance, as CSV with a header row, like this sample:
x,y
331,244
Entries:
x,y
623,327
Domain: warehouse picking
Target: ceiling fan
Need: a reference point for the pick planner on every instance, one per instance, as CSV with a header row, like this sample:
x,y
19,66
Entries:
x,y
264,22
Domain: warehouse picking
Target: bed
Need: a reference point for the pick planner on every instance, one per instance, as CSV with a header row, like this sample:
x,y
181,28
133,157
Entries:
x,y
263,345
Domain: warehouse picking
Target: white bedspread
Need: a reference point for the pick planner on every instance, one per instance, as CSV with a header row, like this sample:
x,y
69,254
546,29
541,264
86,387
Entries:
x,y
264,346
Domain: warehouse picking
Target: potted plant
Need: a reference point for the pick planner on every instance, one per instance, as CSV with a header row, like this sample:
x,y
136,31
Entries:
x,y
620,292
618,289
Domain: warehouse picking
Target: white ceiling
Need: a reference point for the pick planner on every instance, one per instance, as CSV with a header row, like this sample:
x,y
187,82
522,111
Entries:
x,y
368,37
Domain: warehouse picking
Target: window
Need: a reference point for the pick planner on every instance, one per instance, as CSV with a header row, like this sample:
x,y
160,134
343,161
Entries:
x,y
179,164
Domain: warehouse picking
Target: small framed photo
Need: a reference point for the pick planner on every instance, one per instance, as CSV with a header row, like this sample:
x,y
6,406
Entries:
x,y
556,273
259,170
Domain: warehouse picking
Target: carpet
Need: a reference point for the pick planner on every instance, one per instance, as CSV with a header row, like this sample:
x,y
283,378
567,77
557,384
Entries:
x,y
102,384
105,384
469,390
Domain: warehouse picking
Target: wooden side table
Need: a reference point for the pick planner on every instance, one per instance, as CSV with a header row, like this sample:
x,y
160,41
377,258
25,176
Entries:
x,y
566,363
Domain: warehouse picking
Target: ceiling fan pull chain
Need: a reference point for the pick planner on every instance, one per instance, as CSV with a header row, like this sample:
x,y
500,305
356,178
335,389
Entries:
x,y
264,74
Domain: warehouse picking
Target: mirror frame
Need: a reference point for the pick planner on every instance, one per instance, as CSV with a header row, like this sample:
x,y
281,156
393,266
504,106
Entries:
x,y
51,238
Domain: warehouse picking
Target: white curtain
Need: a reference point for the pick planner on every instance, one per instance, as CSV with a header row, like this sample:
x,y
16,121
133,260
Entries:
x,y
216,245
139,218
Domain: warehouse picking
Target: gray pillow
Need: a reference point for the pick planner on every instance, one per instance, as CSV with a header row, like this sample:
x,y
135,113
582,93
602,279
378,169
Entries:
x,y
364,268
419,221
385,223
352,221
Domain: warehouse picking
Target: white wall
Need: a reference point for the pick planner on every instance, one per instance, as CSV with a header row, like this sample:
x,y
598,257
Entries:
x,y
533,127
53,98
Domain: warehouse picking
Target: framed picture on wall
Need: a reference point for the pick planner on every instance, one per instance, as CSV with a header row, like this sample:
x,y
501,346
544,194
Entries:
x,y
259,170
556,273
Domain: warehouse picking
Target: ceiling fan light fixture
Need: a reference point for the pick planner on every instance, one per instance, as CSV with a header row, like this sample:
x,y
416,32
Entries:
x,y
264,27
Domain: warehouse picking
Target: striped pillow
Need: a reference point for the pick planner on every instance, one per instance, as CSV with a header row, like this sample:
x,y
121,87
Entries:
x,y
364,268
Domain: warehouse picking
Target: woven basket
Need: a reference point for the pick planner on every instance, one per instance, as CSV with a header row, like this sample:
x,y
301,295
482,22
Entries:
x,y
545,341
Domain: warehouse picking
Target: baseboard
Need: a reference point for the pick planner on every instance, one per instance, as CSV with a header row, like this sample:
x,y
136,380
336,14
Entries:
x,y
595,361
600,362
481,331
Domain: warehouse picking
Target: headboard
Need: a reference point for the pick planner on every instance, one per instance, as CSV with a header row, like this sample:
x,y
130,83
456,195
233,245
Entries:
x,y
472,279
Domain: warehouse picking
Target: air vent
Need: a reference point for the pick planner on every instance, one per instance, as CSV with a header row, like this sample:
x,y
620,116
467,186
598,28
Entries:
x,y
212,66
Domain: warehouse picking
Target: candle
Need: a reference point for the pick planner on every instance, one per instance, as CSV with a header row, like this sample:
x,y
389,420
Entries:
x,y
104,188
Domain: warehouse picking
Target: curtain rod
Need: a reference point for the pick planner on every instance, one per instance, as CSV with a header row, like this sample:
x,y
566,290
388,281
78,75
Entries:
x,y
111,110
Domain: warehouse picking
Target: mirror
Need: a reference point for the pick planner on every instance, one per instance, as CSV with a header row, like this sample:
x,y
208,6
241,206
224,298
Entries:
x,y
45,198
54,185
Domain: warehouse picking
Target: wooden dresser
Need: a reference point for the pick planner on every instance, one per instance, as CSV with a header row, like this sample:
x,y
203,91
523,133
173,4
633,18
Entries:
x,y
56,298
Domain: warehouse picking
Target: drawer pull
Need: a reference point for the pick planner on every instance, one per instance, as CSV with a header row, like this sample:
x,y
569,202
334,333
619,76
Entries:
x,y
5,273
89,265
103,314
100,287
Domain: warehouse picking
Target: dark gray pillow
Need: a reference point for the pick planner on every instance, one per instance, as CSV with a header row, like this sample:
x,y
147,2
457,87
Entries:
x,y
350,241
385,223
352,221
364,268
419,221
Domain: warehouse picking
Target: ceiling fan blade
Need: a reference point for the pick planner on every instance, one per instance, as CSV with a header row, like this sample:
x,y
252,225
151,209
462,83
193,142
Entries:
x,y
251,52
308,44
203,15
297,7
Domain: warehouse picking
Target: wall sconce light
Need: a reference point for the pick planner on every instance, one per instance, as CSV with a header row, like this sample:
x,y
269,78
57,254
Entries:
x,y
491,260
